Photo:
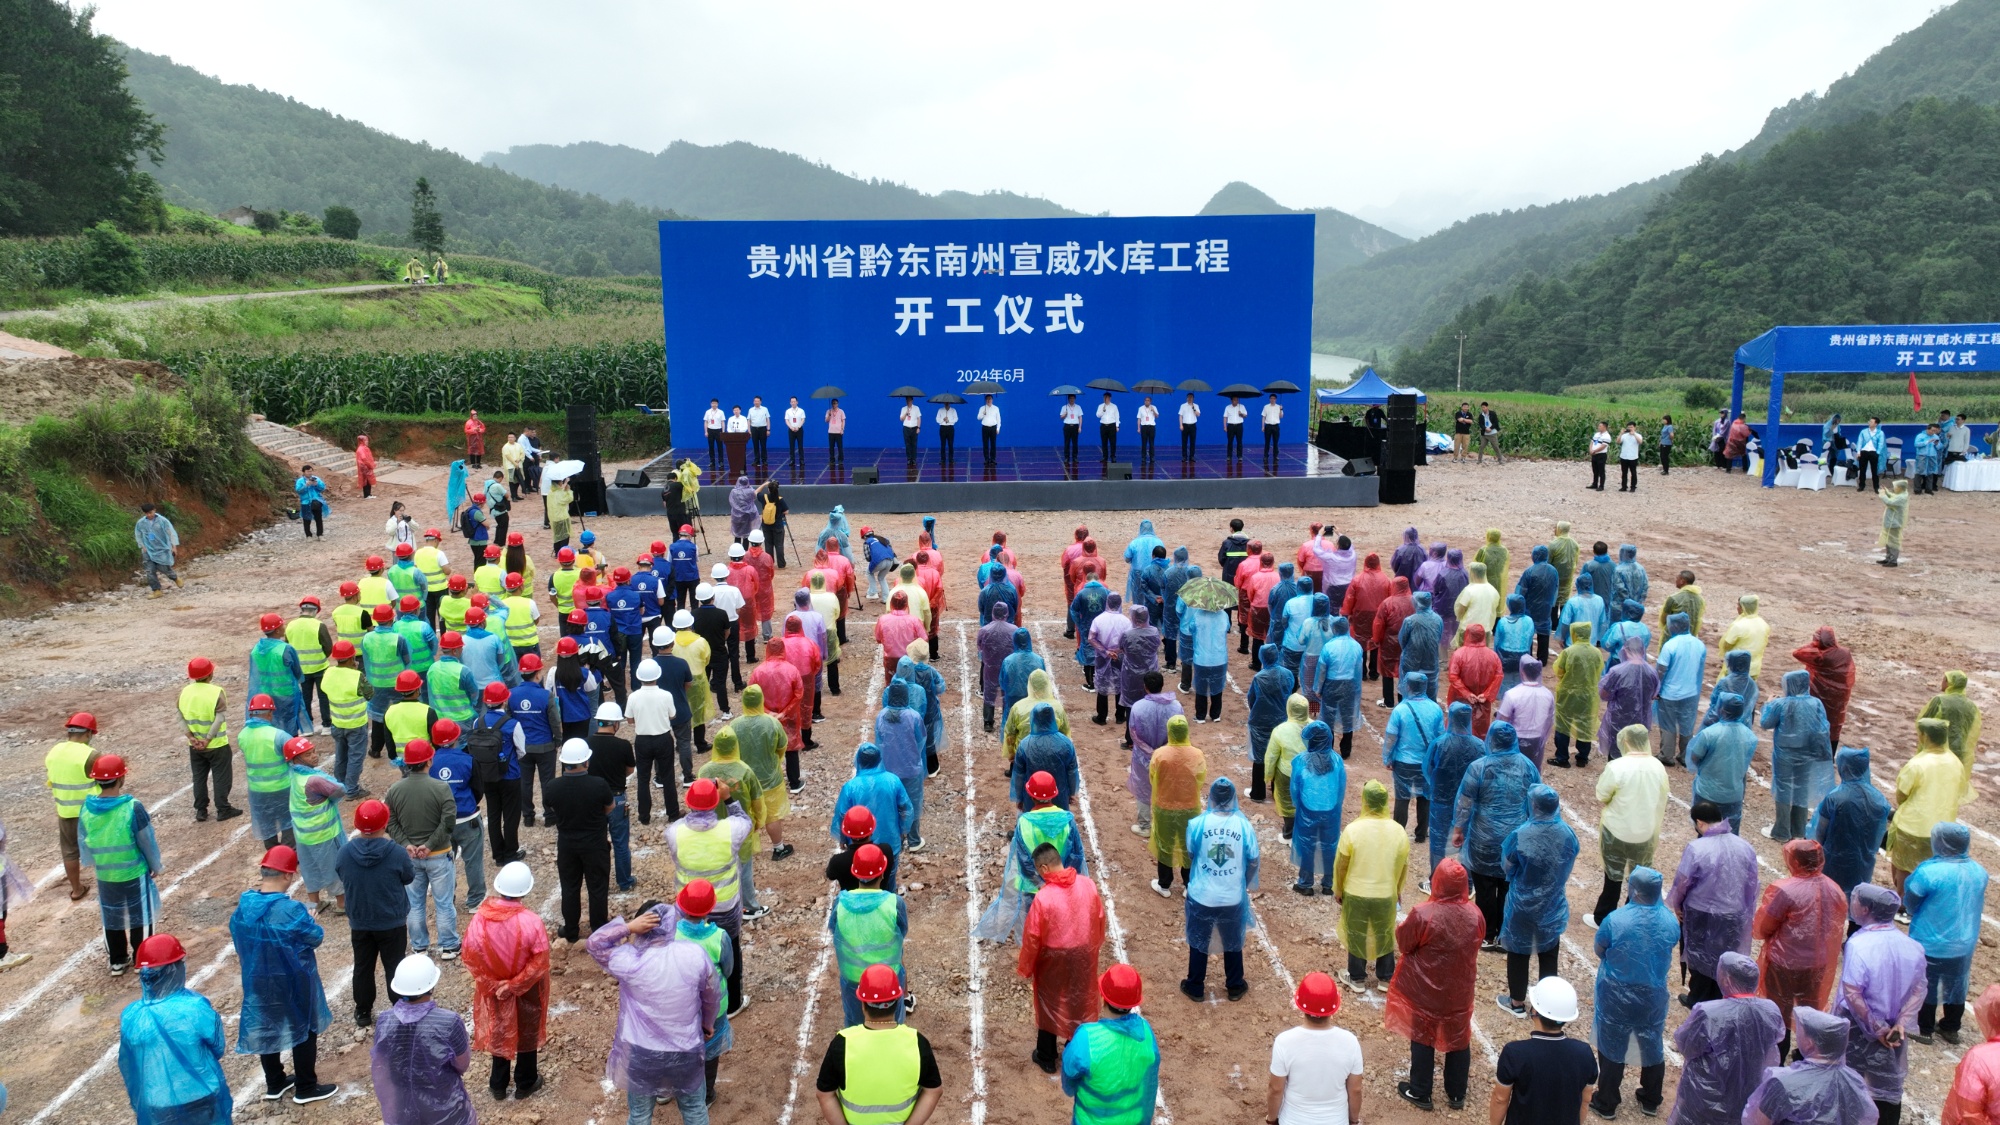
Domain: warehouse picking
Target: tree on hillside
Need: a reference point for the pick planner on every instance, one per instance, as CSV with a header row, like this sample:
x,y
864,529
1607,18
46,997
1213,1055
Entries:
x,y
426,225
70,133
111,261
342,222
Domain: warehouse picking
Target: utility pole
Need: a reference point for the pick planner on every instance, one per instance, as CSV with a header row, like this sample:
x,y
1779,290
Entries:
x,y
1461,362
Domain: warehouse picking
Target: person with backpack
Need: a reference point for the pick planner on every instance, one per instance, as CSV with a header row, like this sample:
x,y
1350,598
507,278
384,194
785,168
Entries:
x,y
494,741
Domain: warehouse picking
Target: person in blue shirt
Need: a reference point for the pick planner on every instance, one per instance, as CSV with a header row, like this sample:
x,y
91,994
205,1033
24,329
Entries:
x,y
1944,897
486,654
535,728
1871,446
1930,460
1406,743
452,765
171,1043
646,579
1222,851
684,561
628,615
311,491
284,1004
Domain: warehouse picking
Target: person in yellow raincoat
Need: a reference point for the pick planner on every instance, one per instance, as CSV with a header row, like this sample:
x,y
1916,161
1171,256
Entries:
x,y
1478,603
1578,668
439,271
725,767
1494,555
1633,792
1929,789
1368,871
413,271
1287,742
1041,689
1749,632
1895,514
1563,555
761,740
693,648
1179,772
1960,715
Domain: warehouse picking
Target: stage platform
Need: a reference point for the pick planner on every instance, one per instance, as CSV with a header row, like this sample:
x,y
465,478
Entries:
x,y
1035,479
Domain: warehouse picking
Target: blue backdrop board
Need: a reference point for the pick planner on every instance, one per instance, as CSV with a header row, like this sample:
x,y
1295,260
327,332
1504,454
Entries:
x,y
780,308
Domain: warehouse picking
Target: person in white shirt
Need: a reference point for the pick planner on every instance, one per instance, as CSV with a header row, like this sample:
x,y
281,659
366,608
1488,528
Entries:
x,y
1190,414
1628,458
1148,417
913,427
989,430
1072,424
651,709
1600,448
1315,1067
729,600
1107,428
760,429
711,425
737,423
531,454
1274,417
795,433
1232,428
947,424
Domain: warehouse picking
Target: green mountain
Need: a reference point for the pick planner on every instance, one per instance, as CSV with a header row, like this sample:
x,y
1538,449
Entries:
x,y
1339,239
228,145
745,181
1885,218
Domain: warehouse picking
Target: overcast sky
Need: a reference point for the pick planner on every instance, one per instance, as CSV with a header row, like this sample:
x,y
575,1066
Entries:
x,y
1411,114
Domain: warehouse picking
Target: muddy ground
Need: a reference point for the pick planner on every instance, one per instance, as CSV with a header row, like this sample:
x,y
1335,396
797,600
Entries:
x,y
1809,555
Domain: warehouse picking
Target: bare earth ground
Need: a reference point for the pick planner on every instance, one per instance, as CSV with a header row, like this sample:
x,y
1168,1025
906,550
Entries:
x,y
1808,555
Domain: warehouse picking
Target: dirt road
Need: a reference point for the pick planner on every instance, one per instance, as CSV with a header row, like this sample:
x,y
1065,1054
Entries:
x,y
121,655
212,298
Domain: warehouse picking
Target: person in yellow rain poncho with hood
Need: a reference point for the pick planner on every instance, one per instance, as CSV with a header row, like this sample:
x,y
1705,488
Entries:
x,y
1041,689
693,648
1477,604
1929,789
413,271
1563,555
1578,667
1179,773
1368,871
1749,632
739,782
1287,744
1961,718
1633,791
1494,556
761,739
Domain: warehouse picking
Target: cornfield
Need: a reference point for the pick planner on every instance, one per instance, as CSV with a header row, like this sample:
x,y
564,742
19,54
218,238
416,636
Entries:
x,y
57,263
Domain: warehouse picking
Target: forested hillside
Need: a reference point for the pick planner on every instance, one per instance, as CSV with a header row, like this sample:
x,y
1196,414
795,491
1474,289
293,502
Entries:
x,y
1340,240
1885,218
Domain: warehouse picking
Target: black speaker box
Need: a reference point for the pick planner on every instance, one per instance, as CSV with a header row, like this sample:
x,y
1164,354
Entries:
x,y
1118,470
633,478
1398,454
865,475
1398,486
1358,467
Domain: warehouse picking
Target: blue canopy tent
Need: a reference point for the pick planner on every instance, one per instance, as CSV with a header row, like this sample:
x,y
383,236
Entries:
x,y
1857,349
1368,390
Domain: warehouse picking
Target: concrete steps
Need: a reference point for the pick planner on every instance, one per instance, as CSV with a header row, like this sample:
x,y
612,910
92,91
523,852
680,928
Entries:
x,y
295,448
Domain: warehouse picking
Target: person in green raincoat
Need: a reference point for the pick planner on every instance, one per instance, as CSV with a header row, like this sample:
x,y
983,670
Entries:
x,y
1494,555
1895,513
1041,689
1563,552
1288,741
726,768
1960,715
761,739
1368,871
1578,667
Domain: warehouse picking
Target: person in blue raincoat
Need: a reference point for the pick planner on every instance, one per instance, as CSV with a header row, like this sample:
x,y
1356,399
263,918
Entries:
x,y
1630,583
1291,621
1492,803
1852,822
1177,575
1583,607
899,732
995,590
1276,599
1630,622
1015,670
1536,859
1537,587
1139,553
1269,690
1083,609
1944,897
1337,681
1422,633
454,492
880,792
1153,583
1720,756
1406,743
1514,638
1603,573
1726,1046
1635,949
836,537
921,672
171,1043
1319,790
1801,757
1314,631
1445,764
1735,680
1044,748
284,1004
1222,847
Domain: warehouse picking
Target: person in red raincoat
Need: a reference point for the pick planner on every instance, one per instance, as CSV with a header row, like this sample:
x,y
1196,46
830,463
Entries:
x,y
1975,1086
1060,944
1387,640
475,441
1474,674
364,465
834,585
802,653
506,950
1308,559
931,580
766,569
1258,590
743,576
784,694
1070,554
895,630
1365,596
1086,565
1253,561
1437,976
1832,668
1802,921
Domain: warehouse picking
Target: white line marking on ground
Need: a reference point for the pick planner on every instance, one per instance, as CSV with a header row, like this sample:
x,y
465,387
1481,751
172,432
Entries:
x,y
975,964
56,872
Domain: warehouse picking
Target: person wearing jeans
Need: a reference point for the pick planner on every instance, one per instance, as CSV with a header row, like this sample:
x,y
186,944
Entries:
x,y
158,543
668,993
422,818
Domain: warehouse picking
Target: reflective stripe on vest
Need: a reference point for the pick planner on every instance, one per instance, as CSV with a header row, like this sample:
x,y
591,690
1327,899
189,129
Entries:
x,y
706,853
375,590
491,579
407,580
268,672
1112,1093
448,696
201,713
67,777
312,823
562,582
1038,827
380,656
303,635
114,848
883,1067
421,640
430,561
406,720
343,694
264,757
864,932
451,611
350,624
522,632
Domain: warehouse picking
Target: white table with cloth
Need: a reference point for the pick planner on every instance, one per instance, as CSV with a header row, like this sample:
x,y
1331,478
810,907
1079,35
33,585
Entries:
x,y
1973,476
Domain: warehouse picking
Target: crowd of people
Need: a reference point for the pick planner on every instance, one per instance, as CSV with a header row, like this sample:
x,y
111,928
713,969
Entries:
x,y
1487,670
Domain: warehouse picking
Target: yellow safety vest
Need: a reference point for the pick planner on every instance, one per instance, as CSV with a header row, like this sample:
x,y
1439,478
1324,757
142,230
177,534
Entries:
x,y
585,560
349,622
407,720
430,560
451,611
302,633
561,583
200,706
883,1067
522,632
706,853
376,590
67,777
343,694
490,579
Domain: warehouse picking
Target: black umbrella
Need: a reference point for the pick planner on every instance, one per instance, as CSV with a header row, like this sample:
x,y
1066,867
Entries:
x,y
947,399
1066,389
1106,385
1151,387
985,387
1281,387
906,391
829,392
1239,390
1194,386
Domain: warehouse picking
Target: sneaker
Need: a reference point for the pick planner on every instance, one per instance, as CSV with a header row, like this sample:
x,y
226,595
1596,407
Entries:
x,y
364,1020
1920,1037
227,814
13,959
271,1095
1354,985
1237,992
1303,888
909,1003
1424,887
1686,999
1142,830
1159,890
1491,947
1766,830
742,1005
1902,917
364,793
1455,1103
1507,1005
795,790
782,851
752,913
1648,1110
915,845
306,1095
1950,1037
200,816
448,955
521,1092
118,968
1197,995
1403,1092
1590,920
1610,1116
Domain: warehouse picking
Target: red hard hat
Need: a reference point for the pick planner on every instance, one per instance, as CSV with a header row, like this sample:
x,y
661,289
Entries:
x,y
857,823
270,623
311,600
262,702
456,583
82,720
659,547
200,668
343,650
108,767
565,556
594,595
371,816
1317,996
496,692
405,550
620,575
281,858
696,899
566,647
383,614
480,599
444,732
644,562
578,617
452,639
687,529
408,680
475,617
160,949
492,552
417,751
409,603
433,533
879,985
531,664
374,563
1121,987
703,795
350,589
513,581
1042,786
298,747
516,539
869,863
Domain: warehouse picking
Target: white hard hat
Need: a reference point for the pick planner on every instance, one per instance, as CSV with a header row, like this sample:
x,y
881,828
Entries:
x,y
720,571
418,974
702,593
609,712
1553,999
663,635
736,550
649,669
575,752
756,535
683,619
514,880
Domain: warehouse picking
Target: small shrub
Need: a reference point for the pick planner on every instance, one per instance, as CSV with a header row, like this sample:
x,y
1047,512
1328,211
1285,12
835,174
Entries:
x,y
1704,396
342,222
111,261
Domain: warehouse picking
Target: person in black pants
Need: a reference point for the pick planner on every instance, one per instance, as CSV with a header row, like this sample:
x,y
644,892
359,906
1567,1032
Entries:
x,y
1628,458
1442,940
1636,933
1107,429
913,428
1600,449
760,431
1072,426
582,802
711,428
503,798
375,870
312,513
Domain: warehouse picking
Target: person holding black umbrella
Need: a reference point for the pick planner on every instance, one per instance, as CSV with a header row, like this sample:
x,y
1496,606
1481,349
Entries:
x,y
836,435
1107,428
1190,414
913,427
989,430
1072,424
1274,417
947,426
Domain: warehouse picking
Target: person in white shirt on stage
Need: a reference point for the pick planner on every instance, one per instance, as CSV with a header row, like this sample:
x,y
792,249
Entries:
x,y
989,430
1274,418
711,425
912,417
1107,428
795,433
760,430
1190,414
1232,428
1148,417
947,424
1072,424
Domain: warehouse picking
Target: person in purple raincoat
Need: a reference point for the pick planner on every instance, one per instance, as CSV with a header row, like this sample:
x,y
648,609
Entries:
x,y
996,641
421,1053
1819,1089
1628,690
1715,897
1881,987
669,995
1148,728
1138,654
1106,630
1408,557
1727,1044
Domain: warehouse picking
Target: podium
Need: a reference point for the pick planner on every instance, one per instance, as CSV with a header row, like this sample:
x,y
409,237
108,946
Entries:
x,y
735,449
